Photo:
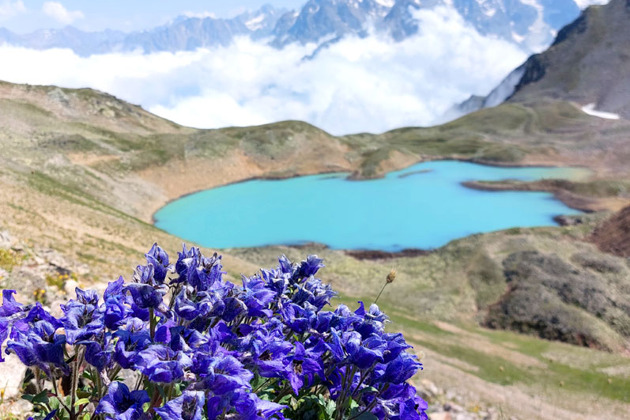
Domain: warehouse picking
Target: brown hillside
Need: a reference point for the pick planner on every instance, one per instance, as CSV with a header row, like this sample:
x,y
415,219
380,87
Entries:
x,y
614,235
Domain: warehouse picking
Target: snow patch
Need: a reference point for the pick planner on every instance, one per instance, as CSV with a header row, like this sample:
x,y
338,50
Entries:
x,y
590,110
255,23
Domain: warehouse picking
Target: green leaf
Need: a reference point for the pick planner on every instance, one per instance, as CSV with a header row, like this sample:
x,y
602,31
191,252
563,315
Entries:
x,y
367,416
41,398
285,400
364,416
83,394
330,408
81,402
370,389
53,402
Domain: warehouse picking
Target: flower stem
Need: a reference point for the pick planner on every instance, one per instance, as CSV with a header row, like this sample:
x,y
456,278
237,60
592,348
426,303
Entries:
x,y
152,323
381,292
75,382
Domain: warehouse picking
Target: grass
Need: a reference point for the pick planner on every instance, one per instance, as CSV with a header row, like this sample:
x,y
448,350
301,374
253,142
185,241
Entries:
x,y
9,259
583,377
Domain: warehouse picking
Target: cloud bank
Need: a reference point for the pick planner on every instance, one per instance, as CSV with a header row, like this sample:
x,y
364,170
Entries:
x,y
356,85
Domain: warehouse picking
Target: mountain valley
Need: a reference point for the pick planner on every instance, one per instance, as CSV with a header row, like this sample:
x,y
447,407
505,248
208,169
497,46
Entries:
x,y
532,322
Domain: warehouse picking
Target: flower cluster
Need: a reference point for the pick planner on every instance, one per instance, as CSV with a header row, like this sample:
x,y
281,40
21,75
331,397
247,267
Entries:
x,y
180,342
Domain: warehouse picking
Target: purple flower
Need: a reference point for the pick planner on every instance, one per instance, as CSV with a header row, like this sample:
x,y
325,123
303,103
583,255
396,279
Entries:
x,y
82,319
9,305
35,342
306,364
98,356
276,280
116,309
158,259
198,271
314,292
308,267
395,345
256,297
39,347
189,406
251,407
214,337
233,308
161,364
400,369
132,338
38,313
221,375
286,266
190,304
146,296
119,403
372,322
8,309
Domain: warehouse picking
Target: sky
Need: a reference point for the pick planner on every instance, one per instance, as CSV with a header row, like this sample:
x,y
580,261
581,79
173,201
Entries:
x,y
22,16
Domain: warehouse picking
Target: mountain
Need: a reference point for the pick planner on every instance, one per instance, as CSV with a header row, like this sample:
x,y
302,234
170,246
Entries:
x,y
184,33
320,19
531,24
528,23
589,62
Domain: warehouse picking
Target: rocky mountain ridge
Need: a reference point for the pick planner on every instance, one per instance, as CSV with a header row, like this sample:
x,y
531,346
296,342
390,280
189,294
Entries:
x,y
530,24
588,64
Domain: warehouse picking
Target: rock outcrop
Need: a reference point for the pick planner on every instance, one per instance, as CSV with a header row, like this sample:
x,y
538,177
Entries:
x,y
613,236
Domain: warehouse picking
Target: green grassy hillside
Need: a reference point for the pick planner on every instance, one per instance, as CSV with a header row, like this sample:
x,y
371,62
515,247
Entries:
x,y
81,174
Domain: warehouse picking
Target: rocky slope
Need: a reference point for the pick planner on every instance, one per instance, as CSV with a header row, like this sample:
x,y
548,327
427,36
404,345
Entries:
x,y
589,62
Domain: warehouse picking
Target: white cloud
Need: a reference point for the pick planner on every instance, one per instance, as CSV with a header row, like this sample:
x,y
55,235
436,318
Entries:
x,y
9,8
583,4
355,85
62,15
200,15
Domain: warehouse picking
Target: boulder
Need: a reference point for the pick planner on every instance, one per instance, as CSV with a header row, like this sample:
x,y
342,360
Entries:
x,y
11,376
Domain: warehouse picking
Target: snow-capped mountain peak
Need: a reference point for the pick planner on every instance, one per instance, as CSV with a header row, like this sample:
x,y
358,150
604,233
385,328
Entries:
x,y
532,24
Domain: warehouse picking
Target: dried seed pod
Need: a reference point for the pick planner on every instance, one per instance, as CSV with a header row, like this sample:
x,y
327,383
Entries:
x,y
391,276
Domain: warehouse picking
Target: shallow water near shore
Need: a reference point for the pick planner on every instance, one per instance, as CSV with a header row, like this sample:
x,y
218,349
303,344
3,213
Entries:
x,y
423,206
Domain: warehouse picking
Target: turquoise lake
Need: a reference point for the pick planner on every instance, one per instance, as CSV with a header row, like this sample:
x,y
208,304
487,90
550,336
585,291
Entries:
x,y
423,206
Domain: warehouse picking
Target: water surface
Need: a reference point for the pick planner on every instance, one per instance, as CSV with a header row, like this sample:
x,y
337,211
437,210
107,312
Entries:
x,y
423,206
